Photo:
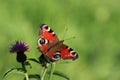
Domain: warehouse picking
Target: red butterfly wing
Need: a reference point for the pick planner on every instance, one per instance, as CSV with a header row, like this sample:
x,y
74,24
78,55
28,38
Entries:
x,y
67,52
47,38
47,33
51,47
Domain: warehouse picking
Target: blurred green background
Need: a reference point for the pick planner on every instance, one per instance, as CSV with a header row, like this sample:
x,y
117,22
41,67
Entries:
x,y
94,23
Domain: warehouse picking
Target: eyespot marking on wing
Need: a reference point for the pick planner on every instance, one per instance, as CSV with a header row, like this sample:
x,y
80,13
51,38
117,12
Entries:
x,y
42,41
56,56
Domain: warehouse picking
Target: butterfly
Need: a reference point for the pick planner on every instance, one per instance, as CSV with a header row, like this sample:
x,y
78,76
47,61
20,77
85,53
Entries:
x,y
51,47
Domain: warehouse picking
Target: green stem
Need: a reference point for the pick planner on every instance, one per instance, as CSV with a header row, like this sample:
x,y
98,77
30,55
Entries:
x,y
24,68
52,70
43,74
26,76
25,71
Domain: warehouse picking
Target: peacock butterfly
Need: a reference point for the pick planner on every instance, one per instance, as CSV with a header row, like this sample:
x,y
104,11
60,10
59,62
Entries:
x,y
51,47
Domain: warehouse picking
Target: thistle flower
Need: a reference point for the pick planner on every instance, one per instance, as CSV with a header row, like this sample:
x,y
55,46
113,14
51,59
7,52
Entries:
x,y
20,47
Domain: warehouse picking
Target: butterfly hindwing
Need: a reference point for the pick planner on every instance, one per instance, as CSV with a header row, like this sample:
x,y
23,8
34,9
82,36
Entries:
x,y
68,53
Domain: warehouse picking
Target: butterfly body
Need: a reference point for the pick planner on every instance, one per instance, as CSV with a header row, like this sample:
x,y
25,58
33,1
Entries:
x,y
51,47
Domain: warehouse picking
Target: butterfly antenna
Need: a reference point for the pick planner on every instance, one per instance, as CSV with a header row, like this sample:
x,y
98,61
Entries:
x,y
66,29
70,38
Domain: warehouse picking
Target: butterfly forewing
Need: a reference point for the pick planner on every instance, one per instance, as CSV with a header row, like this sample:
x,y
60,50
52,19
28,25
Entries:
x,y
47,33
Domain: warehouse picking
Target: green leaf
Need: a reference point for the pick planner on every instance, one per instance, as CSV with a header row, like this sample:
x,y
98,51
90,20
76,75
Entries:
x,y
36,76
28,64
61,74
34,60
10,70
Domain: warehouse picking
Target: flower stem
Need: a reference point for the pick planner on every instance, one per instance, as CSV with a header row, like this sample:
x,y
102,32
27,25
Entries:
x,y
52,70
44,72
24,68
26,76
25,71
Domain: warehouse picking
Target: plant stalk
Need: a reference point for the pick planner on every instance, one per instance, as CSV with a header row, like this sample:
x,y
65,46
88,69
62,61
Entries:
x,y
25,71
43,73
52,70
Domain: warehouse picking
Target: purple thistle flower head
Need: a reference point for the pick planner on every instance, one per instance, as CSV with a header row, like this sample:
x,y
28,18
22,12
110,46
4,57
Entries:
x,y
18,47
